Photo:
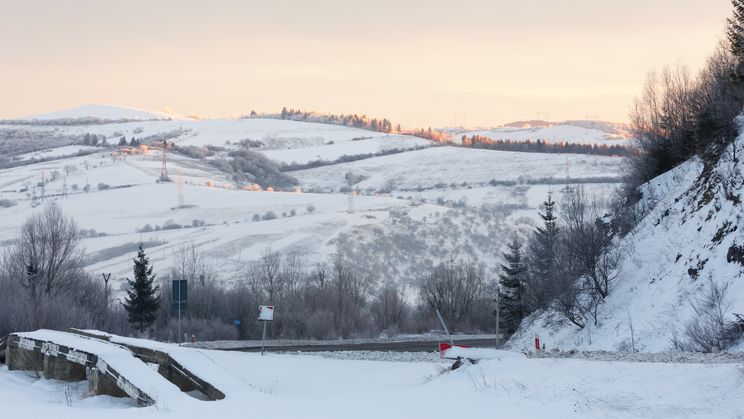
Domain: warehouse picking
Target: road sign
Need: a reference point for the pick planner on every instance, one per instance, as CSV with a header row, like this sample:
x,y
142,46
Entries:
x,y
266,313
179,295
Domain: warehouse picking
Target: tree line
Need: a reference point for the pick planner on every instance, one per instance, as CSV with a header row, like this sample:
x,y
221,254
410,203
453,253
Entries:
x,y
355,121
542,146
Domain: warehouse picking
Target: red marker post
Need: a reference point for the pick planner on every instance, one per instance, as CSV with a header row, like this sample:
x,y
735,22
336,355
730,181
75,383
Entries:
x,y
537,343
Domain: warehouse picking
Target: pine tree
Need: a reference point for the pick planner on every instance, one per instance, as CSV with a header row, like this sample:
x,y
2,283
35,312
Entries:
x,y
542,254
143,299
511,288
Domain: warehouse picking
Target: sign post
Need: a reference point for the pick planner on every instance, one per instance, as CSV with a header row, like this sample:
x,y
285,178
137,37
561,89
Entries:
x,y
265,314
179,296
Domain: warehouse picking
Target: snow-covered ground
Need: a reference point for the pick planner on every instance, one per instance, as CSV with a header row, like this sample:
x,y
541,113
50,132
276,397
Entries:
x,y
560,133
423,184
686,243
331,152
57,152
292,386
454,165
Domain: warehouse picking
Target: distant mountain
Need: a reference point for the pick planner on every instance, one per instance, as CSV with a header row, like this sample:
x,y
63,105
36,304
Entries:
x,y
103,112
577,132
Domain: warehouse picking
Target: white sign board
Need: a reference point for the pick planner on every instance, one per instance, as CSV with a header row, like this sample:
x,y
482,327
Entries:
x,y
266,313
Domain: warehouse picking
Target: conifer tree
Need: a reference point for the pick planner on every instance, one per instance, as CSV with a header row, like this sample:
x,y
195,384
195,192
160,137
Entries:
x,y
542,259
511,287
143,297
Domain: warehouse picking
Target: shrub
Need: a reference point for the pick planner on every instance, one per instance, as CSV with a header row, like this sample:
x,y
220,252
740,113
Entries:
x,y
269,215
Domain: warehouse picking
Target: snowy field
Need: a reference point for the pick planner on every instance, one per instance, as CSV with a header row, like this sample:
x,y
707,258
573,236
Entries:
x,y
447,165
124,205
293,386
562,133
230,235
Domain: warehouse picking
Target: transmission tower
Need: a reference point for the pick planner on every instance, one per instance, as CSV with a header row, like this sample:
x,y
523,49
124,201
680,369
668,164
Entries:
x,y
180,191
164,170
350,202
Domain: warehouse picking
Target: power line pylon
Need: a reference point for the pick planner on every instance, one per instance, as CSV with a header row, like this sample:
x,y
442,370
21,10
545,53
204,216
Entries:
x,y
164,170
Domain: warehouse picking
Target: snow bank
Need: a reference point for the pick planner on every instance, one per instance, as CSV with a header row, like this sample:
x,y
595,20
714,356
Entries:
x,y
292,386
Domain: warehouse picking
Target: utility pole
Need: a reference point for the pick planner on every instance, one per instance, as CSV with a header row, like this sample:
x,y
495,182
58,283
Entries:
x,y
164,169
180,191
106,278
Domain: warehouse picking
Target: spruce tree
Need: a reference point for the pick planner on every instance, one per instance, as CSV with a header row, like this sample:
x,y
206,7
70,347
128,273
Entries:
x,y
542,255
143,297
511,287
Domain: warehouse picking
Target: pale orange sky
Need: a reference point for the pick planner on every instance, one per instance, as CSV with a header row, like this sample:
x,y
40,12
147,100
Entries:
x,y
416,62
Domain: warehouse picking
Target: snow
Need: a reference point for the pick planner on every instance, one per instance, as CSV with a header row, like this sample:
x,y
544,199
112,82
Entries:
x,y
104,112
230,238
57,152
291,386
121,360
553,134
669,261
445,165
334,151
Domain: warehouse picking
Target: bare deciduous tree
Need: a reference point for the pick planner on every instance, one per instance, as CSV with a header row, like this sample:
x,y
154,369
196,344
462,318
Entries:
x,y
389,308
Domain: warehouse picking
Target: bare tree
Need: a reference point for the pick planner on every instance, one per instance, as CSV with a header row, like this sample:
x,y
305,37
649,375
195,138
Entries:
x,y
389,308
350,297
587,242
191,264
47,256
265,276
454,289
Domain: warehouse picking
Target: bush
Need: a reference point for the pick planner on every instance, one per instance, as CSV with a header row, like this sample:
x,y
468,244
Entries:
x,y
709,330
269,215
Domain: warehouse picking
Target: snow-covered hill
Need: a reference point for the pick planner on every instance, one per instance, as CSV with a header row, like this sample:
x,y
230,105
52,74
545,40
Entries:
x,y
103,112
688,241
412,192
579,132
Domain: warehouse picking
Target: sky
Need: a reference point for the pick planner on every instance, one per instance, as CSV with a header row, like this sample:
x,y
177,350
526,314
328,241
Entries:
x,y
418,62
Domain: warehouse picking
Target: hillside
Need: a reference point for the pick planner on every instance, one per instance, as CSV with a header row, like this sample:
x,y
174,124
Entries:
x,y
688,242
433,201
578,132
103,112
